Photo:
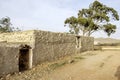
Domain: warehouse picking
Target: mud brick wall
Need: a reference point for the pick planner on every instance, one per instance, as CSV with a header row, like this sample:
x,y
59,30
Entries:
x,y
8,60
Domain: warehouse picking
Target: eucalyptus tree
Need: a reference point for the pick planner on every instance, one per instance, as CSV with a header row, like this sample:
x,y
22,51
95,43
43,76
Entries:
x,y
97,17
109,29
73,25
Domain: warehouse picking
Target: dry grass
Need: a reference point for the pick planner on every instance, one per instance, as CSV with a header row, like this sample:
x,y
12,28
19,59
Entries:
x,y
57,65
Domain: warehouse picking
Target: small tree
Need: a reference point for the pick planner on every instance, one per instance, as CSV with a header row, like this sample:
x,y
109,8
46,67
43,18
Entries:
x,y
96,17
5,25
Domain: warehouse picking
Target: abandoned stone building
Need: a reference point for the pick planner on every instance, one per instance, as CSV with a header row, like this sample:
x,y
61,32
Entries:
x,y
23,50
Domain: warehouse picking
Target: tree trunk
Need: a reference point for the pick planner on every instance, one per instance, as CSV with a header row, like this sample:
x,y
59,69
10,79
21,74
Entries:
x,y
83,32
89,33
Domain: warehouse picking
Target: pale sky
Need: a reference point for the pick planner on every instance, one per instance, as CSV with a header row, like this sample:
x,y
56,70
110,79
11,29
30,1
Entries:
x,y
49,15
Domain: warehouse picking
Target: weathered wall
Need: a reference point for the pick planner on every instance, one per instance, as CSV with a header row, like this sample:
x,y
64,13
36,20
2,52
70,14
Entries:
x,y
48,45
87,43
18,37
51,46
8,60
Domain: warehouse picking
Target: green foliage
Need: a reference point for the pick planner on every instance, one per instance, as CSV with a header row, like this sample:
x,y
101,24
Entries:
x,y
95,18
80,57
109,29
73,24
5,25
57,65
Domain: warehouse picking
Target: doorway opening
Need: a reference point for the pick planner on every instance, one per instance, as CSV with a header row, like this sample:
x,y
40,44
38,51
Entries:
x,y
78,42
25,58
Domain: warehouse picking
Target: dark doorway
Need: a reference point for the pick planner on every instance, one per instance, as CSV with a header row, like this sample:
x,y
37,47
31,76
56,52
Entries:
x,y
24,59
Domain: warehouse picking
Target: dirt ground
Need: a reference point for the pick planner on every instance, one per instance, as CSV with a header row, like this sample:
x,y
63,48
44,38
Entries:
x,y
91,65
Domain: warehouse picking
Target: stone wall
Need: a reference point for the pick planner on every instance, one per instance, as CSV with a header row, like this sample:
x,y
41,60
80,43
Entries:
x,y
47,45
50,46
8,60
87,43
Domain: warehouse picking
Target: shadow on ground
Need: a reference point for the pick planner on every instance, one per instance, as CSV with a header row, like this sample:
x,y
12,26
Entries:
x,y
117,74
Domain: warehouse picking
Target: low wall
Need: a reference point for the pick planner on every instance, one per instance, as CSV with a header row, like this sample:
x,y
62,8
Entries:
x,y
51,46
87,43
8,60
47,45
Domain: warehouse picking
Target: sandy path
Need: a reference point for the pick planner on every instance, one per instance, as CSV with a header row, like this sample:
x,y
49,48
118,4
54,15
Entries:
x,y
101,66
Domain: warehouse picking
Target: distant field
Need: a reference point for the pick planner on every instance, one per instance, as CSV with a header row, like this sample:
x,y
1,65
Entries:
x,y
107,42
